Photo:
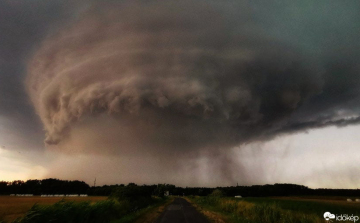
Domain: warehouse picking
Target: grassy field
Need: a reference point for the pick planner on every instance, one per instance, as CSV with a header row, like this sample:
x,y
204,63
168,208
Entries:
x,y
15,207
277,209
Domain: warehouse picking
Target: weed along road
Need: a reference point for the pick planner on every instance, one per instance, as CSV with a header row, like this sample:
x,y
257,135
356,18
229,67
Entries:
x,y
181,211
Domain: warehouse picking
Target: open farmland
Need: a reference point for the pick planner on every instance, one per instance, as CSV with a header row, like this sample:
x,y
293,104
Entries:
x,y
15,207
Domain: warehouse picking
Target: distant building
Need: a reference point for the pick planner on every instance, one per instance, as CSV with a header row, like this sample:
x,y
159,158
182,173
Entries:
x,y
166,193
349,200
72,195
238,196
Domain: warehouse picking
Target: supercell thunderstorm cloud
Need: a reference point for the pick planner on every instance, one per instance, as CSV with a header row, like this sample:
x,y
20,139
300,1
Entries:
x,y
192,77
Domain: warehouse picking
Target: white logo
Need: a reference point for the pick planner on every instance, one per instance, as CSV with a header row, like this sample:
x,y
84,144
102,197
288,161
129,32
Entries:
x,y
328,216
344,217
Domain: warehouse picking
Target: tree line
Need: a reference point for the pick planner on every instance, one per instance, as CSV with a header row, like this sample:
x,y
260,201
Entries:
x,y
244,191
46,186
56,186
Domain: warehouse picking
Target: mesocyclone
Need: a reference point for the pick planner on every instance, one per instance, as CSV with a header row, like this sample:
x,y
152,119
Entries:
x,y
175,74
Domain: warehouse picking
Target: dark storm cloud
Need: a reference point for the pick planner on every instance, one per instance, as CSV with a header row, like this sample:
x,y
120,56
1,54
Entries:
x,y
196,74
23,24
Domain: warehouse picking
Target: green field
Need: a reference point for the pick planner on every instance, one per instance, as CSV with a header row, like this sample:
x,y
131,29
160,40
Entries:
x,y
277,209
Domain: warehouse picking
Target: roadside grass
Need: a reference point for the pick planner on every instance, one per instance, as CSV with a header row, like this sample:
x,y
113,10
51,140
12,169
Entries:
x,y
265,211
148,214
317,207
209,212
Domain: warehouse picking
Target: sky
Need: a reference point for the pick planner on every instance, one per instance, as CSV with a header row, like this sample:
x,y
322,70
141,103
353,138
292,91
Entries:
x,y
192,93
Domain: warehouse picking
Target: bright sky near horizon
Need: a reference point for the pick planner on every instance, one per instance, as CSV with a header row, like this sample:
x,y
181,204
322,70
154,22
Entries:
x,y
312,159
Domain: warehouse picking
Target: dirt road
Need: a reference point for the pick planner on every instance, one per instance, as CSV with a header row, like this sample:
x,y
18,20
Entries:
x,y
181,211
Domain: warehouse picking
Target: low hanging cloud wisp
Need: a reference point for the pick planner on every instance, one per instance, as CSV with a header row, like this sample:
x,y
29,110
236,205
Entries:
x,y
184,76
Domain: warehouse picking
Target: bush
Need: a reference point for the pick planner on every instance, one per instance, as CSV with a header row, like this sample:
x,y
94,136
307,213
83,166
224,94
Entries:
x,y
160,190
133,196
217,193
